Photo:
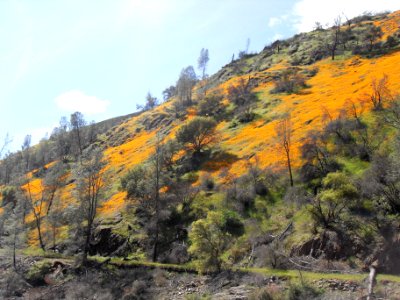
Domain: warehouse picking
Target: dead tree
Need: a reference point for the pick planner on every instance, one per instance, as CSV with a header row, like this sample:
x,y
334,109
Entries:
x,y
283,131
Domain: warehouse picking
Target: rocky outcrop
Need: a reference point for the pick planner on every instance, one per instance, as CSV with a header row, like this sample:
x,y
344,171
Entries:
x,y
107,243
329,244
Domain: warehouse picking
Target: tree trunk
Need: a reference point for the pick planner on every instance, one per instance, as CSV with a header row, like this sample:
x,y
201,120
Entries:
x,y
42,245
371,280
14,250
289,168
87,243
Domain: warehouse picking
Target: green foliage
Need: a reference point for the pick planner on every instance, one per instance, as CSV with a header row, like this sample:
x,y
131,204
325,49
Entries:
x,y
212,236
197,134
290,81
211,106
338,194
8,195
300,292
134,182
37,271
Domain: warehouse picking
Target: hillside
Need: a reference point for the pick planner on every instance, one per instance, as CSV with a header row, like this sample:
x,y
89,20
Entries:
x,y
165,200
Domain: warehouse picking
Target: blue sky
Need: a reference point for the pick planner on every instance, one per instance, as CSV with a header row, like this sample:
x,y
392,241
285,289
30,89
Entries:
x,y
102,57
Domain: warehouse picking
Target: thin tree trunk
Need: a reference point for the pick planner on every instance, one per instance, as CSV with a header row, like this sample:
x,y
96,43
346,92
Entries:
x,y
42,245
371,280
289,168
87,243
14,250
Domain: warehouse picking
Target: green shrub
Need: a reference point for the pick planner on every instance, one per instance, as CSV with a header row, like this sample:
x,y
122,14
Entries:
x,y
37,272
301,292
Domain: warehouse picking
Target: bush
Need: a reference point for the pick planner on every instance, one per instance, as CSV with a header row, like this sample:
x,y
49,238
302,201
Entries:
x,y
261,294
207,182
211,237
290,81
246,117
8,195
37,272
211,106
300,292
272,255
197,134
391,42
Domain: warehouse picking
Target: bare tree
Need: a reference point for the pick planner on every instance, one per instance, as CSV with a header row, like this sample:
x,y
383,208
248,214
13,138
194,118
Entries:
x,y
169,92
90,183
283,131
77,122
151,101
334,38
372,34
203,61
40,198
380,92
6,142
26,151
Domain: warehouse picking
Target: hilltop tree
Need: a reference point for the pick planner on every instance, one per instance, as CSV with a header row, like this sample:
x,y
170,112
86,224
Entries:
x,y
283,131
184,86
26,151
203,61
169,92
197,134
61,138
77,122
6,142
151,102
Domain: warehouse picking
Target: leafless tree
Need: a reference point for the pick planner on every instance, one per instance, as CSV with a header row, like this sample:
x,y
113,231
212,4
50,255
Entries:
x,y
283,131
77,122
203,61
90,179
6,142
334,38
380,92
40,198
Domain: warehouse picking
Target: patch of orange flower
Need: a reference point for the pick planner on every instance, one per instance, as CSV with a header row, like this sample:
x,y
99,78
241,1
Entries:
x,y
335,83
131,153
114,204
390,25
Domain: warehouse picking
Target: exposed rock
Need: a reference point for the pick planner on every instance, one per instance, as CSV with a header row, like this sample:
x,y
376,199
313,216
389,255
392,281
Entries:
x,y
106,243
330,244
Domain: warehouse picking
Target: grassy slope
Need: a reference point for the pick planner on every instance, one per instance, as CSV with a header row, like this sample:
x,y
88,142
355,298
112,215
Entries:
x,y
348,77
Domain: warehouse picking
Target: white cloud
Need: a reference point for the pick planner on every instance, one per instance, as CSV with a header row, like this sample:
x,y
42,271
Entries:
x,y
308,12
76,100
274,21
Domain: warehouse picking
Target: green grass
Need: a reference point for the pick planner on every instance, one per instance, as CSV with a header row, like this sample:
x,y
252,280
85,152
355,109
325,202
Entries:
x,y
353,165
295,275
290,274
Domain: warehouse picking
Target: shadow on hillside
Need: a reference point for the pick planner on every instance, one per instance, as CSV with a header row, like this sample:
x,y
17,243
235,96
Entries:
x,y
219,160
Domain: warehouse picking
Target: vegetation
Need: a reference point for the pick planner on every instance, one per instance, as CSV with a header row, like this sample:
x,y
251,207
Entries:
x,y
300,179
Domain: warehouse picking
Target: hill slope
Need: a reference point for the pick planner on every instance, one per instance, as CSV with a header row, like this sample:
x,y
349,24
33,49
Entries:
x,y
247,162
